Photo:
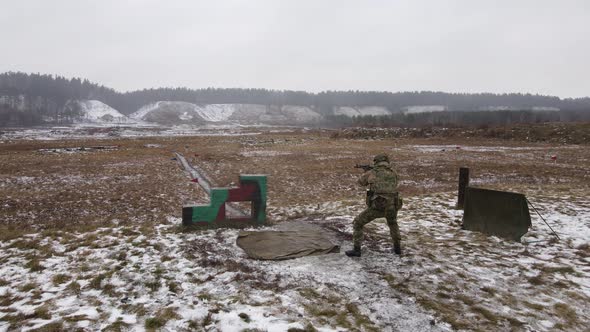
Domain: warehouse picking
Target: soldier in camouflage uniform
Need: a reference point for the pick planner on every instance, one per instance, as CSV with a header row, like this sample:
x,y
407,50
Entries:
x,y
382,201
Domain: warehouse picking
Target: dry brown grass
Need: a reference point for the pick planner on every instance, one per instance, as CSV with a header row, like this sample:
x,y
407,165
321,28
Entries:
x,y
321,307
17,320
86,190
133,183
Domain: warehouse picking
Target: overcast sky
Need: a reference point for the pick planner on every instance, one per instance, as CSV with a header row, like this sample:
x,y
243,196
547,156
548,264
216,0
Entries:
x,y
536,46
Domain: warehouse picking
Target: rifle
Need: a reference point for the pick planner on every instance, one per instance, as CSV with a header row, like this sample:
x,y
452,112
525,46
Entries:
x,y
365,167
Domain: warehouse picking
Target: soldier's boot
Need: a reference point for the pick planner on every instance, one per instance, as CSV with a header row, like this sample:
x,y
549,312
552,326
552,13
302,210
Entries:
x,y
394,231
355,252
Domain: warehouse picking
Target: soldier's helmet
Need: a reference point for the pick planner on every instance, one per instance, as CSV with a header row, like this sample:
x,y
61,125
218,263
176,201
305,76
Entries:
x,y
380,157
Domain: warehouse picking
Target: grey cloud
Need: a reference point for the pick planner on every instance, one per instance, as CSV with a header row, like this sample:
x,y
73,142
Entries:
x,y
458,46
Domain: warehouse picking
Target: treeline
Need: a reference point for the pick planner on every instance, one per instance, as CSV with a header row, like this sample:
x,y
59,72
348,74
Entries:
x,y
459,118
45,98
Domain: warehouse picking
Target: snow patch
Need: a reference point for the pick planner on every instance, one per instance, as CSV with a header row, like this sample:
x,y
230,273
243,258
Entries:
x,y
264,153
443,148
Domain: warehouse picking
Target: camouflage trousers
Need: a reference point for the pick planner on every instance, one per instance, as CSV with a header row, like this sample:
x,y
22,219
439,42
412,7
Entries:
x,y
370,214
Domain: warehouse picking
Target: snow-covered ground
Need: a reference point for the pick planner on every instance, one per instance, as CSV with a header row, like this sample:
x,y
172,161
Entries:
x,y
132,277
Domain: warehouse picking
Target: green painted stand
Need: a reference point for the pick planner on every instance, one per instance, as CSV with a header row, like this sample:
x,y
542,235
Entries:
x,y
252,188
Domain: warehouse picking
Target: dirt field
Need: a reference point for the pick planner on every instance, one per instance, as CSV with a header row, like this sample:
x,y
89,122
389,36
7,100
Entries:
x,y
90,238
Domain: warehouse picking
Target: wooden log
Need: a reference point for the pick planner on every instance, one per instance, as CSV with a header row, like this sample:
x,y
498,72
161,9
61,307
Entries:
x,y
205,182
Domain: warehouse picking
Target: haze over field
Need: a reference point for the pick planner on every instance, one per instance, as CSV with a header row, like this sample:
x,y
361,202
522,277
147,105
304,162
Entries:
x,y
536,46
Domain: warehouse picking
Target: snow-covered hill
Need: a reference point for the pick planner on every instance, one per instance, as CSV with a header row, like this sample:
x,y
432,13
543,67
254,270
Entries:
x,y
423,109
173,113
177,112
216,112
301,114
168,112
519,108
94,111
361,111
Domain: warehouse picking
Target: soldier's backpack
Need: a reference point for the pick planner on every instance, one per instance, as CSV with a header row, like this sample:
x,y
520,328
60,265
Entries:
x,y
385,181
384,188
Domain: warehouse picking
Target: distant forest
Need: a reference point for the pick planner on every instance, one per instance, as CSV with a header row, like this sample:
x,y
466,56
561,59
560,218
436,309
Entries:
x,y
29,99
